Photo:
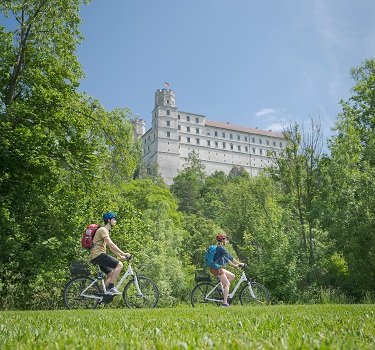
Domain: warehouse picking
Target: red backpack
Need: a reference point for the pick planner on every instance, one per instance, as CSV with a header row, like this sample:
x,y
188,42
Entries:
x,y
88,236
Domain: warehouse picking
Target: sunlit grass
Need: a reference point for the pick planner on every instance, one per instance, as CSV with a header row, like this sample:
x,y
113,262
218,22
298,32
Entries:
x,y
273,327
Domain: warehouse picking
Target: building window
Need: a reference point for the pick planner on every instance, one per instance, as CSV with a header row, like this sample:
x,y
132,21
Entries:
x,y
231,136
168,123
179,117
274,143
197,120
216,144
215,133
267,142
197,141
253,149
223,134
261,152
238,148
188,139
168,134
281,145
197,130
224,145
231,146
188,128
179,138
168,112
260,141
208,132
245,138
179,127
238,137
246,149
253,139
208,143
187,118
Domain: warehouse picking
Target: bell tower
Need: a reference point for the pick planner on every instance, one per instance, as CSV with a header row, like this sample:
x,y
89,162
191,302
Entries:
x,y
166,138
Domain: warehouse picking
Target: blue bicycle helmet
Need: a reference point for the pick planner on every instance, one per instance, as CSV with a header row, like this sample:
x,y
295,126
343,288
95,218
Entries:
x,y
108,216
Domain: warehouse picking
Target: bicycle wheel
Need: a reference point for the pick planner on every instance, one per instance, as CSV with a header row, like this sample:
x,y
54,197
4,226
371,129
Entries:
x,y
262,295
72,298
149,297
198,295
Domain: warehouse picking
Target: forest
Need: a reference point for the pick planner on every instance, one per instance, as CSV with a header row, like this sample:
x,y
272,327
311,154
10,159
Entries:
x,y
305,226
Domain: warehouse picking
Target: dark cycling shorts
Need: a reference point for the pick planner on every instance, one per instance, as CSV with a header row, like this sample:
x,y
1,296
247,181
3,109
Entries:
x,y
106,262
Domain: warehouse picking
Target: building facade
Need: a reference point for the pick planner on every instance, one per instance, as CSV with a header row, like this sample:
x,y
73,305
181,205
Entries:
x,y
175,134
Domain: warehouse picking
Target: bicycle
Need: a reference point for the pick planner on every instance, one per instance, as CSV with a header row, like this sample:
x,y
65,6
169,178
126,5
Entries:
x,y
85,292
206,292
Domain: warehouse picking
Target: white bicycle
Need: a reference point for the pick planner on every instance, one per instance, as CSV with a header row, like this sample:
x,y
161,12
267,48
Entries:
x,y
84,292
206,292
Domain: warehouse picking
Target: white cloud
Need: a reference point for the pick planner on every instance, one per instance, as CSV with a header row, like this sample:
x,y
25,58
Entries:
x,y
268,112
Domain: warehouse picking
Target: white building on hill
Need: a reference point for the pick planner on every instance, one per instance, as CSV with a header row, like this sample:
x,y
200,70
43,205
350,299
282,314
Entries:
x,y
174,134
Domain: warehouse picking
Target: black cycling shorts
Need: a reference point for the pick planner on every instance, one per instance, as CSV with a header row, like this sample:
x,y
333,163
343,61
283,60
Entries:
x,y
106,262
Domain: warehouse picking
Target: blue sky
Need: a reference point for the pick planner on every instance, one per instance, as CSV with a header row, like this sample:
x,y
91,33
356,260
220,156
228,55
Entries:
x,y
259,64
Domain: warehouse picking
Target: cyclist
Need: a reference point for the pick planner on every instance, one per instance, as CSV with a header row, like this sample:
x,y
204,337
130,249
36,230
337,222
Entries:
x,y
98,256
221,258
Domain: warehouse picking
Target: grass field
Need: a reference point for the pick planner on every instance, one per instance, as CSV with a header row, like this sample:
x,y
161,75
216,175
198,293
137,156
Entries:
x,y
273,327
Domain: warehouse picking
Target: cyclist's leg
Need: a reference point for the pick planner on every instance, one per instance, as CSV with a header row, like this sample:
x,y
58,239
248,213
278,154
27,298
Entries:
x,y
110,266
225,277
219,272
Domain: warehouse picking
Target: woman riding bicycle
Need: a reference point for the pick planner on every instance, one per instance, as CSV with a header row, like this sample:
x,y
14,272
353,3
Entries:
x,y
221,258
108,264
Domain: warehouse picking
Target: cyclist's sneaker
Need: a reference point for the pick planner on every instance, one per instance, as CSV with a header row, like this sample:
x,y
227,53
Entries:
x,y
225,305
112,291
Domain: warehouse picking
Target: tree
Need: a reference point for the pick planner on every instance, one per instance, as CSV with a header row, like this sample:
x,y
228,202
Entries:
x,y
187,185
296,170
59,150
349,191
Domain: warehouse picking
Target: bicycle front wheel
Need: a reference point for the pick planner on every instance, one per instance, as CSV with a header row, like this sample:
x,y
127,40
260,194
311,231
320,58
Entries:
x,y
72,293
199,295
148,298
254,293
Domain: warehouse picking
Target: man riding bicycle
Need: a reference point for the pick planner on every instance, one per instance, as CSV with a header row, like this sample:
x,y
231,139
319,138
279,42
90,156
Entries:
x,y
98,256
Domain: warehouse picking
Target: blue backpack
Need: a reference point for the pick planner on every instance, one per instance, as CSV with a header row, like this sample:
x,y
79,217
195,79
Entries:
x,y
210,253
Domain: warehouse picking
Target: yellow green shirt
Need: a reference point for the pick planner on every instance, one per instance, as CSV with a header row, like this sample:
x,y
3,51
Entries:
x,y
99,245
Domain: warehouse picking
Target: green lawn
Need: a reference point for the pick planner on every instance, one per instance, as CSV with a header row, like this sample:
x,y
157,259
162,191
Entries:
x,y
273,327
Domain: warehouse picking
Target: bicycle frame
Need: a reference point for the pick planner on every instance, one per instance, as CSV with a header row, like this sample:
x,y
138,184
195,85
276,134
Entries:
x,y
100,276
234,291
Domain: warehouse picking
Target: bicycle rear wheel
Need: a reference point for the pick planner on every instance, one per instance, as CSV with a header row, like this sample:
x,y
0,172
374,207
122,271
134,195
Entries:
x,y
199,293
148,298
72,293
257,290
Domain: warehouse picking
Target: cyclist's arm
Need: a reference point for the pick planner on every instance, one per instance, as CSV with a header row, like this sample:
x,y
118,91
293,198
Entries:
x,y
115,249
237,263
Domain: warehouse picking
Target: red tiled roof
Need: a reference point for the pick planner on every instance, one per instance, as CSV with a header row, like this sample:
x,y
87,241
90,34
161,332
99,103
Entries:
x,y
244,129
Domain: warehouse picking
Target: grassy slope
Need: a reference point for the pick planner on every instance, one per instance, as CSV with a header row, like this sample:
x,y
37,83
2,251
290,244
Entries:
x,y
274,327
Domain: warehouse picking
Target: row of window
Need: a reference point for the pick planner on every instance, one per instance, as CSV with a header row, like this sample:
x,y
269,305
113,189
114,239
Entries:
x,y
231,136
224,145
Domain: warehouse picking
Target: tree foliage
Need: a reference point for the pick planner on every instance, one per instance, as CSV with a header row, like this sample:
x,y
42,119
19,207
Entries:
x,y
303,225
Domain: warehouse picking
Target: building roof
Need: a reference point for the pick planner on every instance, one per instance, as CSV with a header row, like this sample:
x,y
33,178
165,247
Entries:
x,y
234,127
